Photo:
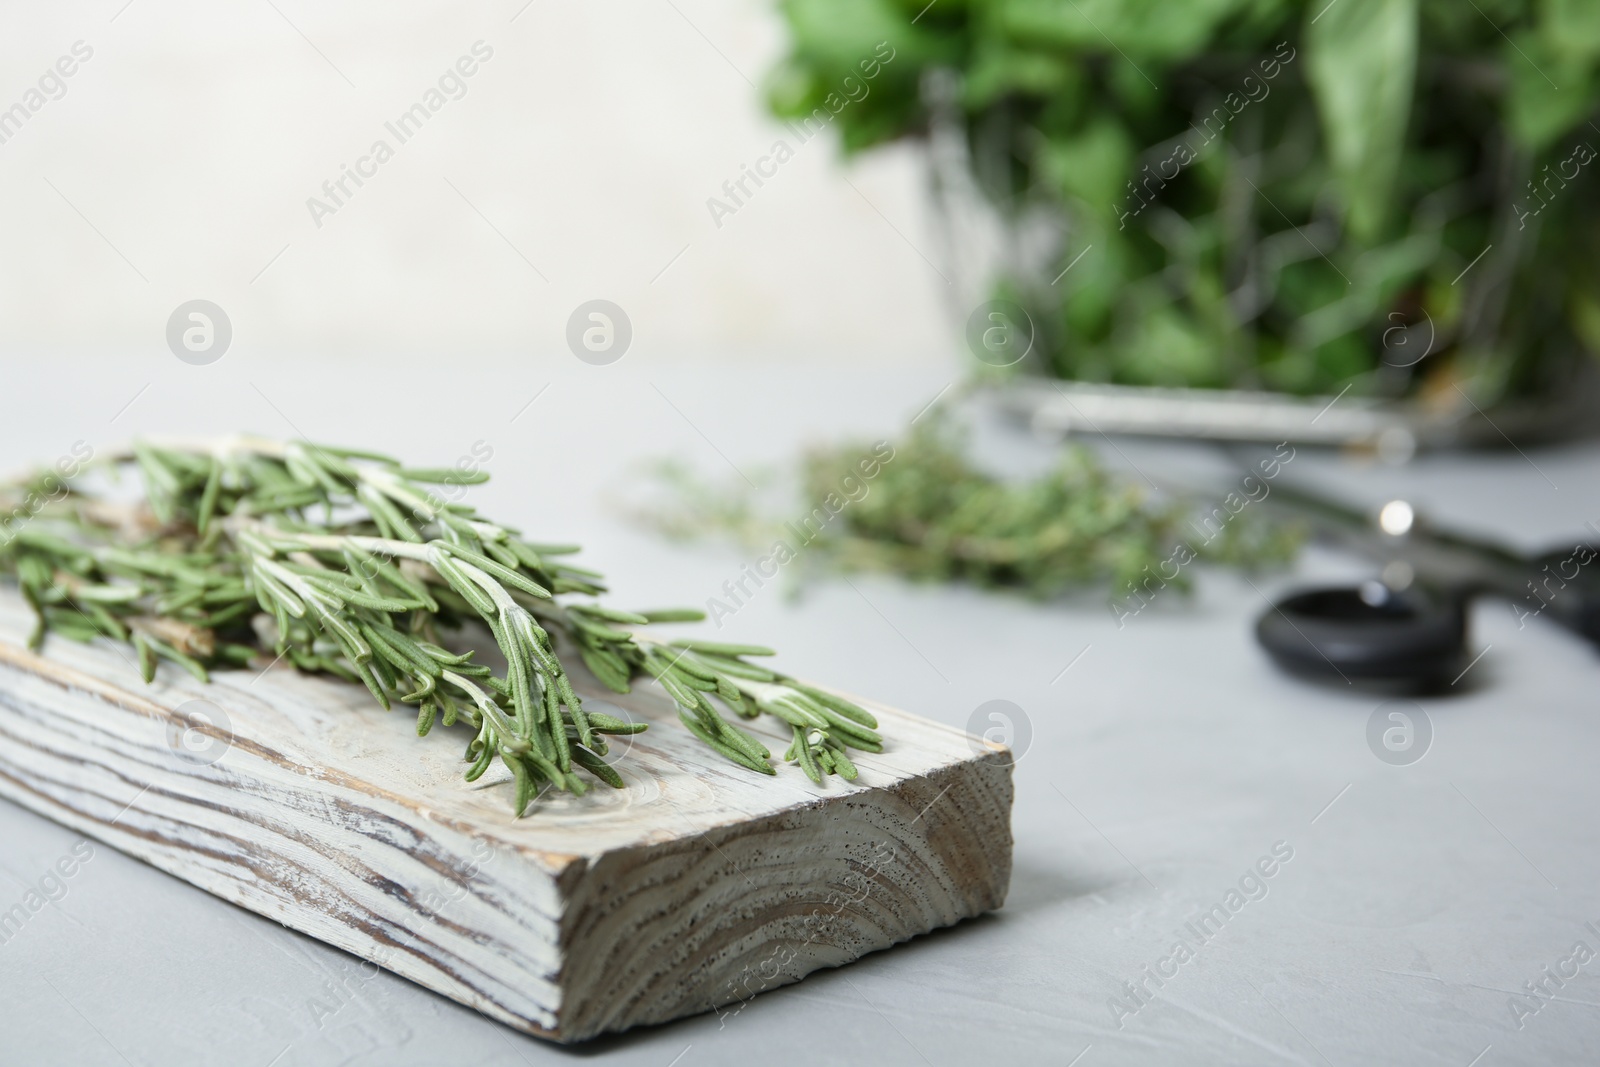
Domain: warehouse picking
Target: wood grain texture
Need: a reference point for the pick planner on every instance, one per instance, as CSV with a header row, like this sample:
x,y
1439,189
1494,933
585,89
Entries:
x,y
697,886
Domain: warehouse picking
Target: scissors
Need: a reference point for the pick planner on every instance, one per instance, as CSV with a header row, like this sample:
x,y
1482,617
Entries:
x,y
1409,625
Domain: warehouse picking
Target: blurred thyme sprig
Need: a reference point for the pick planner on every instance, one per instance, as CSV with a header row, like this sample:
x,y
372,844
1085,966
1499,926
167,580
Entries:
x,y
344,562
931,515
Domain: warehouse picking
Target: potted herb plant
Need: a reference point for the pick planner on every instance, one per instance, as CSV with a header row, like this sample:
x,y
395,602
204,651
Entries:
x,y
1389,200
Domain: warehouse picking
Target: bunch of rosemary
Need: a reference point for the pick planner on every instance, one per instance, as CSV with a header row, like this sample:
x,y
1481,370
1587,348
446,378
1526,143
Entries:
x,y
930,514
345,563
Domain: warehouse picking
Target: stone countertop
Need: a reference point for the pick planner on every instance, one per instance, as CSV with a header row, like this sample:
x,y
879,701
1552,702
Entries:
x,y
1172,786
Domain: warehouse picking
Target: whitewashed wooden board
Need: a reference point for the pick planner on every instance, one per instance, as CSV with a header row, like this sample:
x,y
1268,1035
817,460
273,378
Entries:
x,y
696,887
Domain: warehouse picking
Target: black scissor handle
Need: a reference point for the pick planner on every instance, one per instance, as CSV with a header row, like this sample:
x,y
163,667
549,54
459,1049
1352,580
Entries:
x,y
1367,632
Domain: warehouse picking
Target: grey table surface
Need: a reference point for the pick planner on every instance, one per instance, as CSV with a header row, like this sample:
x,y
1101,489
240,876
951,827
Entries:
x,y
1160,762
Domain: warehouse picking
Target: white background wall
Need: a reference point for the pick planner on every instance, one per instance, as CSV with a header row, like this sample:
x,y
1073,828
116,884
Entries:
x,y
193,137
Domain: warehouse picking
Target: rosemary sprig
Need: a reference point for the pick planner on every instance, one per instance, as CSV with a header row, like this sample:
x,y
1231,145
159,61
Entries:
x,y
346,563
931,514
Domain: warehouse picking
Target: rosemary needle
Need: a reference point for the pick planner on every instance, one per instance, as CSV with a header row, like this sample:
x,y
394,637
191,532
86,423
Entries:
x,y
344,562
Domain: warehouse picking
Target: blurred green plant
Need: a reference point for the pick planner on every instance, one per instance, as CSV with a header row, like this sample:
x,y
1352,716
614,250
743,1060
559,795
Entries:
x,y
930,514
1267,193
